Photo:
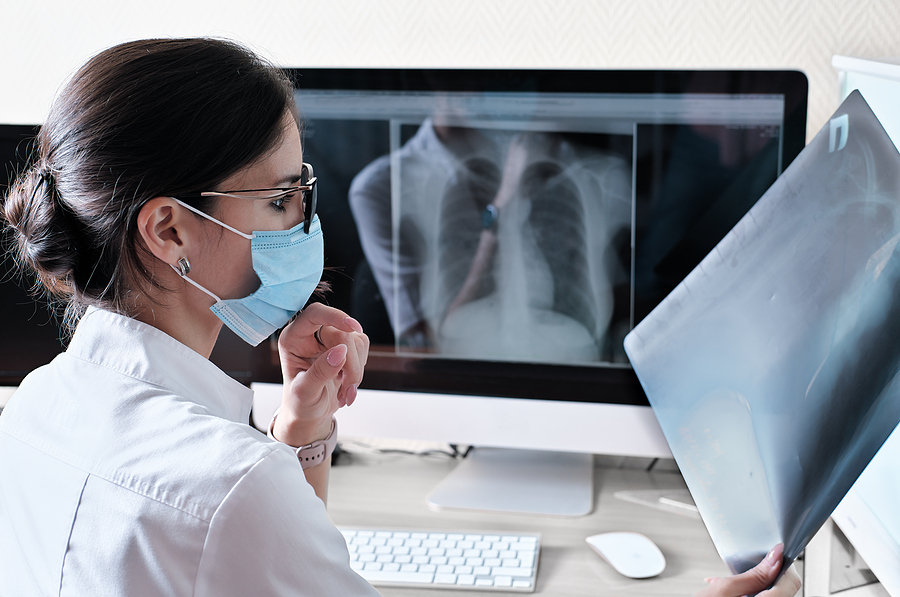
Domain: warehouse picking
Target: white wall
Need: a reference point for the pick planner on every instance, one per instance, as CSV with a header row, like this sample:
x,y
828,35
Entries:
x,y
43,41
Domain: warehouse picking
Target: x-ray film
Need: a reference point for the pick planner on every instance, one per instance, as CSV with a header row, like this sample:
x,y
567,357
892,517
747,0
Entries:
x,y
773,367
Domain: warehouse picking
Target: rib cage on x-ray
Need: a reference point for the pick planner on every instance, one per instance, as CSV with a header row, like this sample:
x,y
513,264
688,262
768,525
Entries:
x,y
546,295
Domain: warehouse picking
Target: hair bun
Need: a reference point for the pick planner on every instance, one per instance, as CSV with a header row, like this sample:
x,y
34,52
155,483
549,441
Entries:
x,y
45,232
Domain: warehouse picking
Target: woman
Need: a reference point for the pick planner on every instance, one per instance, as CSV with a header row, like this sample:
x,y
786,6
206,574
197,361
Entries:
x,y
169,195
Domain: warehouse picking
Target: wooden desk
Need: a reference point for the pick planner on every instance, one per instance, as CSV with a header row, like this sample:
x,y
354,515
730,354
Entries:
x,y
389,491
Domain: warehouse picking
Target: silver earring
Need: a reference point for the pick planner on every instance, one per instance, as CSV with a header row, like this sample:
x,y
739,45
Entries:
x,y
184,266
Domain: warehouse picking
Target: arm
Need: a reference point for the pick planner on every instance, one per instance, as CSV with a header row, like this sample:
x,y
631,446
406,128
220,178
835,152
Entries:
x,y
757,579
516,160
323,353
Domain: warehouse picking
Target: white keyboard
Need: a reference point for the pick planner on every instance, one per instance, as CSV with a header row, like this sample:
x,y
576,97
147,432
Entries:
x,y
453,560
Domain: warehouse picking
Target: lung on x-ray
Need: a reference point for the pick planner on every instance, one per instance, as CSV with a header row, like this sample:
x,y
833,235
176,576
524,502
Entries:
x,y
535,286
773,367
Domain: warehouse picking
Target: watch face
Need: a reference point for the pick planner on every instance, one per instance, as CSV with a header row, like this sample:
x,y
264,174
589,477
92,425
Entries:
x,y
489,217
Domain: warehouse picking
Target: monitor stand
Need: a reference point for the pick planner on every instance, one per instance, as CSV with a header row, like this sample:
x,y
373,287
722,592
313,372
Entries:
x,y
521,481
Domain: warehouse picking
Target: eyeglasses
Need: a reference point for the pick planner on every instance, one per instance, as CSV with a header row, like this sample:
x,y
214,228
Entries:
x,y
306,188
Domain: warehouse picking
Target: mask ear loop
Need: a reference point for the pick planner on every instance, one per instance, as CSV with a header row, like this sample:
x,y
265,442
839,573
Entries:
x,y
209,217
181,272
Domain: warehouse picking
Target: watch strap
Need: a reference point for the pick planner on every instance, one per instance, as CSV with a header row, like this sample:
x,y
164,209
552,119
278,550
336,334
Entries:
x,y
315,453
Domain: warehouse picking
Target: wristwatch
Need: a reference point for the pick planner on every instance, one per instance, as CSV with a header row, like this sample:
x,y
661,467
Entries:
x,y
311,454
489,217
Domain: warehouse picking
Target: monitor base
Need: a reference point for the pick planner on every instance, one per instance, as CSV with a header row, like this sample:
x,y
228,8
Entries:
x,y
520,481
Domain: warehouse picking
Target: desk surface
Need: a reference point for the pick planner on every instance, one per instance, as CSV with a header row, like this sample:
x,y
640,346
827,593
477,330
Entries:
x,y
389,491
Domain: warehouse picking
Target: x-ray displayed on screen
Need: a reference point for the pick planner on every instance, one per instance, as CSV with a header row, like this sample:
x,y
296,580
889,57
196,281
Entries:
x,y
773,367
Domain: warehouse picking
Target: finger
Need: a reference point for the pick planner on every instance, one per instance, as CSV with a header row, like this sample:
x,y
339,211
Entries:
x,y
357,355
324,369
754,580
787,586
312,318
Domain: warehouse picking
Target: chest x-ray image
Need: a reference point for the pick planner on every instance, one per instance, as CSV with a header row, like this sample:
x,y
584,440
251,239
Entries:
x,y
497,244
773,367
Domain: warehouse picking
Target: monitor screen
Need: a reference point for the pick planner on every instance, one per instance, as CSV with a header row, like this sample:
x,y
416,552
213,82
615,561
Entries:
x,y
498,233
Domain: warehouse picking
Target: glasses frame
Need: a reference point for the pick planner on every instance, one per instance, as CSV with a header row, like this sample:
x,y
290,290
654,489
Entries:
x,y
308,190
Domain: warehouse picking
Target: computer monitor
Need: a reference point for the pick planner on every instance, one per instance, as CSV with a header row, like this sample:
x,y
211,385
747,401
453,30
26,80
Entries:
x,y
497,233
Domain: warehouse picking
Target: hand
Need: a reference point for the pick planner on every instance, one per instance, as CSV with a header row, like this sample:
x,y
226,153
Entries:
x,y
756,579
323,354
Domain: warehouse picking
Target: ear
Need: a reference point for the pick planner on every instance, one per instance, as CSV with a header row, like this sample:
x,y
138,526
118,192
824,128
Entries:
x,y
165,229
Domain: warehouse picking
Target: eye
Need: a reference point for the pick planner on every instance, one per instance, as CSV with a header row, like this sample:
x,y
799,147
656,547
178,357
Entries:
x,y
278,203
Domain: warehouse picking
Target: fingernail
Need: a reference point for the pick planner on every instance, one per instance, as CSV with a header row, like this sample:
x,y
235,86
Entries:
x,y
351,394
336,355
773,556
353,323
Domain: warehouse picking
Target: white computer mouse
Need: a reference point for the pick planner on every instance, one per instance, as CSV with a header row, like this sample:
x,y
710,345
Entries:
x,y
630,554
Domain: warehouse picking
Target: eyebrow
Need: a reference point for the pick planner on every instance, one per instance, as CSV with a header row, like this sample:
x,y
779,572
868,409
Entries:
x,y
288,181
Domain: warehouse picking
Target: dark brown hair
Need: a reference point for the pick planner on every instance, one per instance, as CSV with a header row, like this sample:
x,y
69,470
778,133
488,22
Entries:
x,y
139,120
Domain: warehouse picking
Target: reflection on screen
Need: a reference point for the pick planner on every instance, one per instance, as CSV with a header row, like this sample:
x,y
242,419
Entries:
x,y
521,228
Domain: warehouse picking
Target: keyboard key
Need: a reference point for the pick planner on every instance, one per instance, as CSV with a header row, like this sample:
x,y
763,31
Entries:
x,y
445,579
372,566
481,571
484,582
503,581
439,560
391,567
427,568
464,569
410,577
465,579
504,571
367,557
522,584
409,568
491,538
383,558
446,569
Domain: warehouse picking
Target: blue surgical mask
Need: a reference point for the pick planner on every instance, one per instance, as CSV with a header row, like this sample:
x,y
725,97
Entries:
x,y
289,265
